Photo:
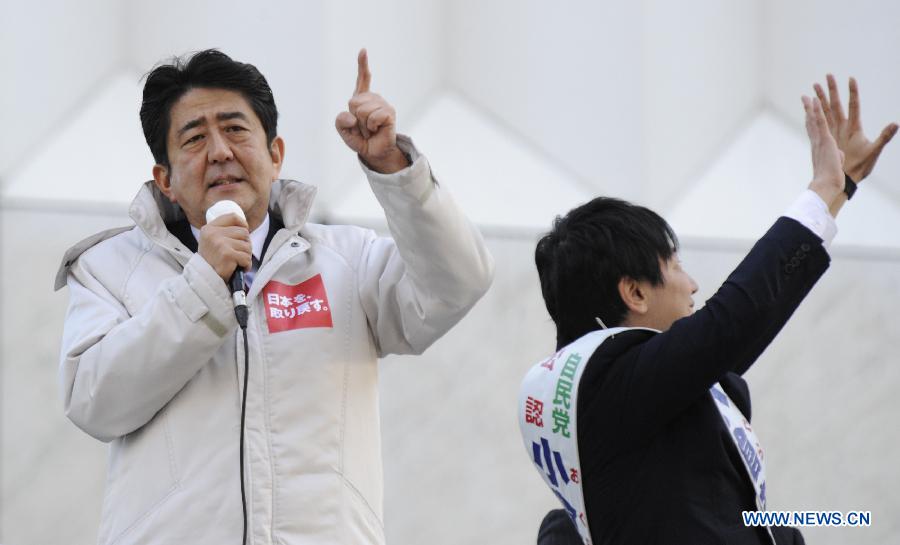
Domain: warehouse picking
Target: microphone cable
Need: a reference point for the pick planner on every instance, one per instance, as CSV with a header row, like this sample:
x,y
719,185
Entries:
x,y
241,313
243,414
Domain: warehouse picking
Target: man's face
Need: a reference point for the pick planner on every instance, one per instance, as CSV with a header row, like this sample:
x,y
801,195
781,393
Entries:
x,y
673,299
217,150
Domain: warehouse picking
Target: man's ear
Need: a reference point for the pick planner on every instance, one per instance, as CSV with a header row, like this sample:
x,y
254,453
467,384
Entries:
x,y
634,295
161,177
276,151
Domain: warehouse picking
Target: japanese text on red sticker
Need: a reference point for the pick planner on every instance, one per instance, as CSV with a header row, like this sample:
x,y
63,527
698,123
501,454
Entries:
x,y
296,307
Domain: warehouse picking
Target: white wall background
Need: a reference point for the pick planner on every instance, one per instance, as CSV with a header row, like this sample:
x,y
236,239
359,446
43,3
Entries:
x,y
525,109
54,56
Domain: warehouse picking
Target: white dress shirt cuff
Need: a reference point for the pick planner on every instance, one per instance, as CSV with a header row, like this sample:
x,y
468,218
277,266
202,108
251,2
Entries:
x,y
812,212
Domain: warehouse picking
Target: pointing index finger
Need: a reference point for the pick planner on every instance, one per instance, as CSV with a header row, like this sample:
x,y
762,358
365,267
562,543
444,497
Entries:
x,y
363,76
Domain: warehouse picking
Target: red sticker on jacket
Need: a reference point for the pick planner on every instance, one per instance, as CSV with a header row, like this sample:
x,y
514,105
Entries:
x,y
296,307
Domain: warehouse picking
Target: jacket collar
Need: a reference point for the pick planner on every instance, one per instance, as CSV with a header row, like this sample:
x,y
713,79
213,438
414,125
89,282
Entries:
x,y
289,200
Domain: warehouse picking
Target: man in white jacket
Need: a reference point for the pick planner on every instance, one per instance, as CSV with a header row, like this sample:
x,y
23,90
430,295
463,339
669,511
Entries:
x,y
153,358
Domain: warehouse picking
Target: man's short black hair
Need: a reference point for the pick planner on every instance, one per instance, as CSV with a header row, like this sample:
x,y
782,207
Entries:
x,y
581,260
209,69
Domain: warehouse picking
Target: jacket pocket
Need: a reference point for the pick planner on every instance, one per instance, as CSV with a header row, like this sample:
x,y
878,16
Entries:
x,y
142,475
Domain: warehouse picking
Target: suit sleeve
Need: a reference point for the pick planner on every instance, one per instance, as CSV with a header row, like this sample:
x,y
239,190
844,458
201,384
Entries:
x,y
416,285
117,370
811,212
672,369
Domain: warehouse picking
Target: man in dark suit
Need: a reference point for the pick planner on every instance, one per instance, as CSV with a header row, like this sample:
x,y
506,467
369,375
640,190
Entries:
x,y
663,452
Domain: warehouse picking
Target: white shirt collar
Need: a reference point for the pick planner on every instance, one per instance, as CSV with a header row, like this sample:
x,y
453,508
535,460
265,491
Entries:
x,y
257,237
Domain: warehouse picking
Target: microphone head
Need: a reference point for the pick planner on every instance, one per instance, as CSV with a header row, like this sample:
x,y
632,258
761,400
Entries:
x,y
224,207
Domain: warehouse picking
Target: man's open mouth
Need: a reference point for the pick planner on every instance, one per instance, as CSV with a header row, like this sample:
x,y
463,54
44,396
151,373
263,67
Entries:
x,y
225,181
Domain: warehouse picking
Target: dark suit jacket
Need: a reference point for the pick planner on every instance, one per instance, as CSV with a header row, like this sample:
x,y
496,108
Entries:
x,y
658,464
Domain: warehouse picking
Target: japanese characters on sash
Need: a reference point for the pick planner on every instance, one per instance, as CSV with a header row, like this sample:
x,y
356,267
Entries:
x,y
548,399
547,419
747,443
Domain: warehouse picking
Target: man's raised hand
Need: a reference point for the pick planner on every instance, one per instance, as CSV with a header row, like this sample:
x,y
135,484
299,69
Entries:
x,y
828,178
369,128
860,155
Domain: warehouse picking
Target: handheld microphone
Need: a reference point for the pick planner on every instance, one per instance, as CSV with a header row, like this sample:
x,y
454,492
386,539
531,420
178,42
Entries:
x,y
236,282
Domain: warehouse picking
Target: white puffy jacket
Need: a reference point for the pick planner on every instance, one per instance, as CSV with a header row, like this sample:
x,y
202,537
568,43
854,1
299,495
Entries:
x,y
152,362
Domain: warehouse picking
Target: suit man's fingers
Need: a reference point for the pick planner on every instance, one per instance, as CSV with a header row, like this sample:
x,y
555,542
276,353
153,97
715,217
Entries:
x,y
820,93
853,106
820,130
363,75
820,118
807,108
821,122
886,135
837,110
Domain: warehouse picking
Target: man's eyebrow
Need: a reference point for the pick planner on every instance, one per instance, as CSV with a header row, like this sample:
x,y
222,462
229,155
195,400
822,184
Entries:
x,y
192,124
225,116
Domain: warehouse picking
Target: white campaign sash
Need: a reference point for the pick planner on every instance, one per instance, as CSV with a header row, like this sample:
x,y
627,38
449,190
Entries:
x,y
548,399
747,444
